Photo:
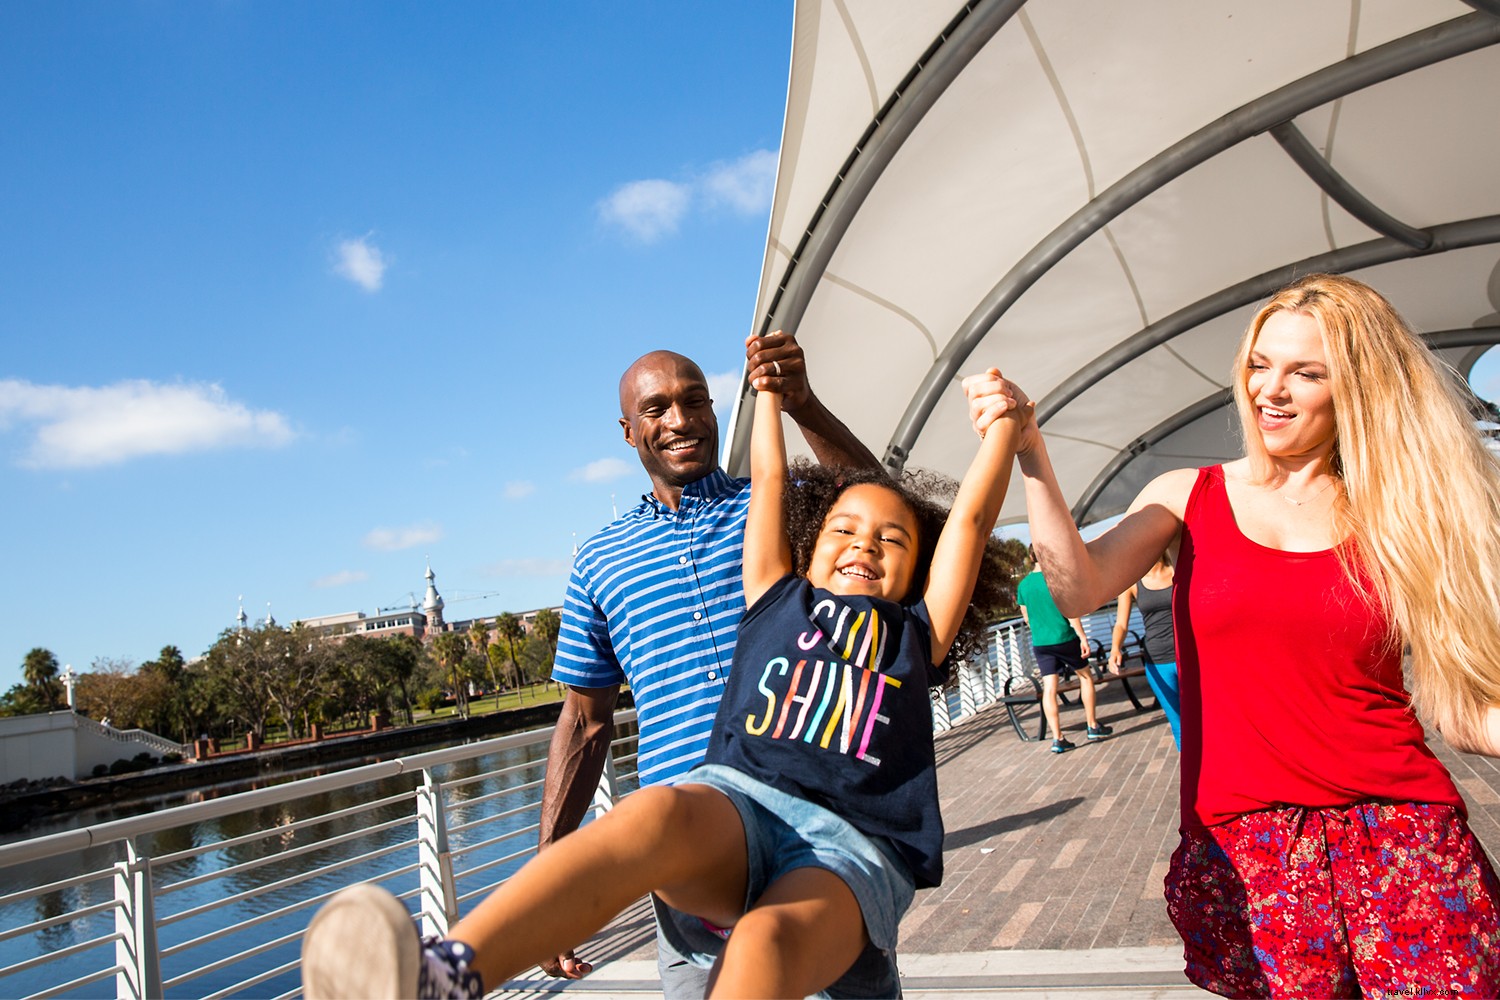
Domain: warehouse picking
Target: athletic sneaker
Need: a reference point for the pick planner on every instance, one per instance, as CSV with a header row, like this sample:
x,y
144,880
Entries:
x,y
1099,732
1061,746
363,943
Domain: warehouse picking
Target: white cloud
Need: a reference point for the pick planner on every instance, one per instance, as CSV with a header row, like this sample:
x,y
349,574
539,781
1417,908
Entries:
x,y
654,208
603,471
342,578
83,426
362,263
518,489
395,539
648,210
528,567
745,185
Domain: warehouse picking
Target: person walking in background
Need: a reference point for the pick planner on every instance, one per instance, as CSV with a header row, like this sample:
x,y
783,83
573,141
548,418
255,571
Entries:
x,y
1061,648
1153,594
1325,850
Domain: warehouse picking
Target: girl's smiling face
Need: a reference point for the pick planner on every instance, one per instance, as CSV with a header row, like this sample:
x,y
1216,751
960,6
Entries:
x,y
867,545
1288,385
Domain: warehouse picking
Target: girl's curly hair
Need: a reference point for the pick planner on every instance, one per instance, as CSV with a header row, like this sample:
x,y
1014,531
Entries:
x,y
812,490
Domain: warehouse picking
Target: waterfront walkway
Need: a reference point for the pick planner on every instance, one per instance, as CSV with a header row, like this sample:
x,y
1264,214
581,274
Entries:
x,y
1054,867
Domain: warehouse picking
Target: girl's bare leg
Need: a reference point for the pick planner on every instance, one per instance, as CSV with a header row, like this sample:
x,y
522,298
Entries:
x,y
803,933
684,842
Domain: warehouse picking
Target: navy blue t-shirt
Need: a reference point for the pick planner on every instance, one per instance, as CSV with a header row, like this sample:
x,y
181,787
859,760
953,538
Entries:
x,y
827,700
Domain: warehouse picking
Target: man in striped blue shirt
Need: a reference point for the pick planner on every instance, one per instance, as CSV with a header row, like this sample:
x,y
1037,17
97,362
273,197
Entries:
x,y
656,597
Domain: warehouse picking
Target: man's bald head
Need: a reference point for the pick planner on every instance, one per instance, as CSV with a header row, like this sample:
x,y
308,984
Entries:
x,y
668,418
650,366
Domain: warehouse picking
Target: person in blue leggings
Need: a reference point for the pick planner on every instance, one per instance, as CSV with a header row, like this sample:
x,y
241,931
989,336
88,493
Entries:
x,y
1153,593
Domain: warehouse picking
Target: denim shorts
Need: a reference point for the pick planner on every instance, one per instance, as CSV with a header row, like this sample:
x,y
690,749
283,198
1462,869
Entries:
x,y
783,832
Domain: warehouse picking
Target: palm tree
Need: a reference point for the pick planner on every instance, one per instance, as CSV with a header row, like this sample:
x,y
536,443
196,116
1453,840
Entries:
x,y
39,670
508,627
479,636
449,648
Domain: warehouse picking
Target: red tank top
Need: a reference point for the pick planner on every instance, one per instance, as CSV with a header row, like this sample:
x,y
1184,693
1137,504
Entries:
x,y
1291,690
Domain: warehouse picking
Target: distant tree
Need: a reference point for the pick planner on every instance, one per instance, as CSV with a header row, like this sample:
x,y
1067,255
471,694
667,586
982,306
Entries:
x,y
174,711
267,671
236,679
448,649
545,627
479,637
111,690
298,668
22,699
1013,552
495,656
356,684
508,629
536,658
401,655
39,670
546,624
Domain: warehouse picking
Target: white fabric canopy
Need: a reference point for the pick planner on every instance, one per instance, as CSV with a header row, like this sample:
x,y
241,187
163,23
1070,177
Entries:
x,y
1096,196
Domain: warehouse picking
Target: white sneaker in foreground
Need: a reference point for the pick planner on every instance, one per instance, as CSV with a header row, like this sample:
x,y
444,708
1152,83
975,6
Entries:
x,y
362,945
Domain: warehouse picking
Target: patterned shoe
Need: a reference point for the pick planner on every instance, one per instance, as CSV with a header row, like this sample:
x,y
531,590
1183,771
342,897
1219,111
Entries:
x,y
1099,732
362,943
1061,746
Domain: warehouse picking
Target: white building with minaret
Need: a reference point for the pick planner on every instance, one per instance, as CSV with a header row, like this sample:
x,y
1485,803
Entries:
x,y
432,604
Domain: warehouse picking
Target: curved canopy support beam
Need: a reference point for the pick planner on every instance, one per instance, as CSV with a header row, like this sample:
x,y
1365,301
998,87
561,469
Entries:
x,y
1481,336
1340,190
1451,236
1140,445
1393,59
963,39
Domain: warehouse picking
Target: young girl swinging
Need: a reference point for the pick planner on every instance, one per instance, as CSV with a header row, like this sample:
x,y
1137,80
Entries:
x,y
815,815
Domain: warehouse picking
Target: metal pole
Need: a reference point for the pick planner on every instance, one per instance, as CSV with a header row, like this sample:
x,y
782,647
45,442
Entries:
x,y
136,951
438,901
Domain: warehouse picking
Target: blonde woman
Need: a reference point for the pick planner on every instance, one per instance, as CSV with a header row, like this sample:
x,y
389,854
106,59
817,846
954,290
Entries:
x,y
1325,850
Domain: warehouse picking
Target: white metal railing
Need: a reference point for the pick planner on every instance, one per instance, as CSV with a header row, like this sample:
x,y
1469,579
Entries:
x,y
167,912
145,906
138,737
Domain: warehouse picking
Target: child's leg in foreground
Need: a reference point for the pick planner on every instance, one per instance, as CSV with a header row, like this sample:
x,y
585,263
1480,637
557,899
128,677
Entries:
x,y
688,841
685,843
802,934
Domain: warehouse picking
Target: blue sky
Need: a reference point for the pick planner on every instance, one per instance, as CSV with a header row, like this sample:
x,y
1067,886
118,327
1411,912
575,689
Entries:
x,y
294,296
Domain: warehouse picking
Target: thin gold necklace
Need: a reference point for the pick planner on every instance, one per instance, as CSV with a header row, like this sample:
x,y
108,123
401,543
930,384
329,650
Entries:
x,y
1299,503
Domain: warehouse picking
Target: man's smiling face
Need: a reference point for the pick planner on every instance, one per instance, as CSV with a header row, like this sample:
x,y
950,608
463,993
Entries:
x,y
668,418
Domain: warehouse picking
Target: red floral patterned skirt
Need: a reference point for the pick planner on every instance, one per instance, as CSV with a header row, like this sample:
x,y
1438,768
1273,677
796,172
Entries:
x,y
1376,900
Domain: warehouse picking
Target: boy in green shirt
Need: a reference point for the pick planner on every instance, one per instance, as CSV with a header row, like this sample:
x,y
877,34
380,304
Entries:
x,y
1061,647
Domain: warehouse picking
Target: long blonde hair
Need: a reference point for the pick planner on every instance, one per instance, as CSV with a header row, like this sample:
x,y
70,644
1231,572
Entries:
x,y
1421,494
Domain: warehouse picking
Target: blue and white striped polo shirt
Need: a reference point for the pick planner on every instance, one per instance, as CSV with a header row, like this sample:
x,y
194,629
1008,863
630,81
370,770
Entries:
x,y
656,598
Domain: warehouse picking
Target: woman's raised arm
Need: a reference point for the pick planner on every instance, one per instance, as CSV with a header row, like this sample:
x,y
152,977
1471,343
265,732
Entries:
x,y
1082,576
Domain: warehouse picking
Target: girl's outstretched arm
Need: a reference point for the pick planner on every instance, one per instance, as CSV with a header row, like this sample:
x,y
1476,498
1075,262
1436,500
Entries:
x,y
960,548
768,553
1082,576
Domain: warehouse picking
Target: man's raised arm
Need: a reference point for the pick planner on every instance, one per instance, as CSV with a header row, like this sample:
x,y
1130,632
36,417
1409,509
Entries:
x,y
777,364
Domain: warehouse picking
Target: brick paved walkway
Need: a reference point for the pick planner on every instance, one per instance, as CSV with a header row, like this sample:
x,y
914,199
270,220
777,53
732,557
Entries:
x,y
1048,852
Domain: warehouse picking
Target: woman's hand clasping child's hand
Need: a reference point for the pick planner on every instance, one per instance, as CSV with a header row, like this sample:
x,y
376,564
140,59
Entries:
x,y
992,397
